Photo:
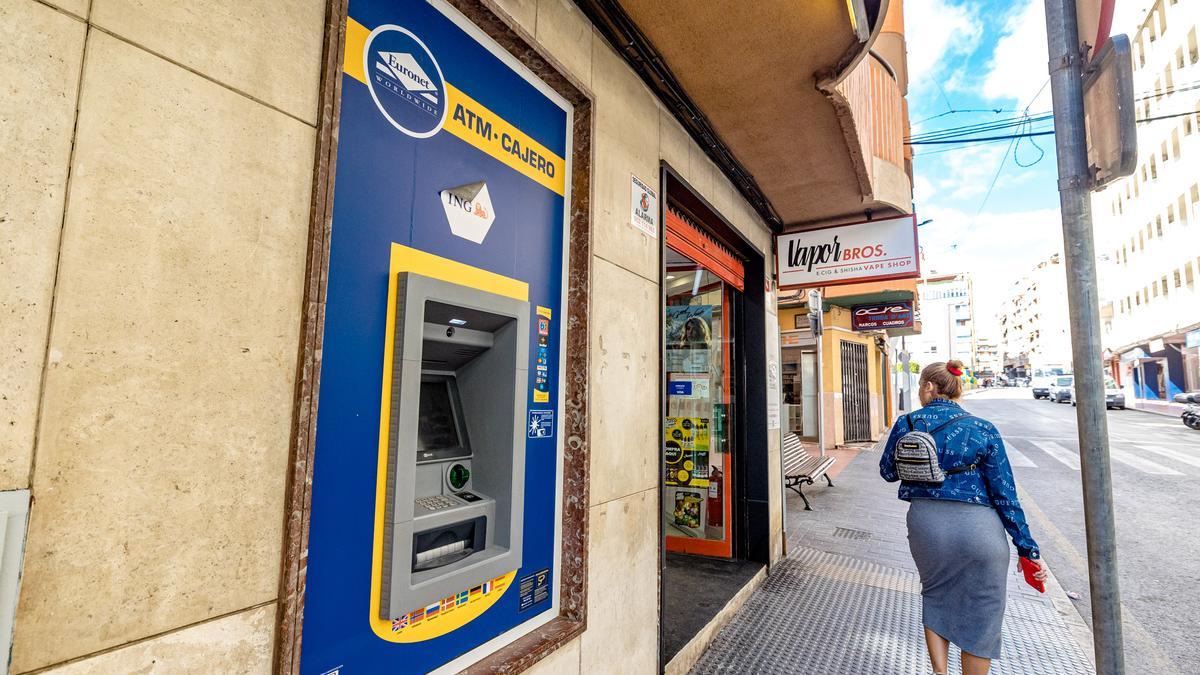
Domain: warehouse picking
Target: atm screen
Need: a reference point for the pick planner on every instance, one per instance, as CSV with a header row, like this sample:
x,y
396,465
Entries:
x,y
436,427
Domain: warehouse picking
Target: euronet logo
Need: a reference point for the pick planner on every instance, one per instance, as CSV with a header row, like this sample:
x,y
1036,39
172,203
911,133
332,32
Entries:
x,y
404,71
405,81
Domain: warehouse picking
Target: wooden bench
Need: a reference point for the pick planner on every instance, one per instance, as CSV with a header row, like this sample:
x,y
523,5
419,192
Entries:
x,y
799,467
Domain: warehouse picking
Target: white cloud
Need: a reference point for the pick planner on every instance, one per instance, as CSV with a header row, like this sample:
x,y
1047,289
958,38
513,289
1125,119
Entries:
x,y
996,248
1018,67
966,171
936,29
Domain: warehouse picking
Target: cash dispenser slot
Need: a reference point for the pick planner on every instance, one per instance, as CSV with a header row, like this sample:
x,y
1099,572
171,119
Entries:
x,y
447,545
456,440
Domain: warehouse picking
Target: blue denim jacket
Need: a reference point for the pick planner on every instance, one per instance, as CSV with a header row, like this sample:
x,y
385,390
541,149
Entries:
x,y
960,444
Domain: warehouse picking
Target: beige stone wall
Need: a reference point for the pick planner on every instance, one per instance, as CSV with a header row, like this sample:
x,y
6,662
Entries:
x,y
155,222
633,133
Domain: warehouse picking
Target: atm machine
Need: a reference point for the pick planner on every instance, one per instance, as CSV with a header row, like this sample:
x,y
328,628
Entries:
x,y
456,469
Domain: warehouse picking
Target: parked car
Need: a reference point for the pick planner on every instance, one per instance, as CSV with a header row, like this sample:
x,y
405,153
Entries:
x,y
1041,387
1114,397
1061,388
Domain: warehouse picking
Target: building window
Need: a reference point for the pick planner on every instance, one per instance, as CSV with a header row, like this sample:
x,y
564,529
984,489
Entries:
x,y
1175,143
1153,168
1183,214
1164,287
1170,217
1193,52
1158,225
1189,276
1162,150
1178,279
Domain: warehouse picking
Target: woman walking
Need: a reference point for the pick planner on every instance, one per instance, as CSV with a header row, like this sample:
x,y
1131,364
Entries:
x,y
956,526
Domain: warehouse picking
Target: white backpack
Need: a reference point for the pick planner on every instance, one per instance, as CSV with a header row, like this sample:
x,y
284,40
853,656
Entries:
x,y
917,454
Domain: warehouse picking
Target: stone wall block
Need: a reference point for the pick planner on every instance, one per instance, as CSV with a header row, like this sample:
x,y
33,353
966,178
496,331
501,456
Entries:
x,y
623,587
626,134
626,433
522,12
268,49
675,144
162,452
40,55
566,35
239,643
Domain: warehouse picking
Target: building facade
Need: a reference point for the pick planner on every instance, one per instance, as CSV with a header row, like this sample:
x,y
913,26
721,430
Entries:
x,y
1034,330
1148,224
947,320
837,385
218,429
988,359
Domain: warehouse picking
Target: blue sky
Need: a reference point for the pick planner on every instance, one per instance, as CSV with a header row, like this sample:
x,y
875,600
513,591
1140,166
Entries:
x,y
985,55
981,56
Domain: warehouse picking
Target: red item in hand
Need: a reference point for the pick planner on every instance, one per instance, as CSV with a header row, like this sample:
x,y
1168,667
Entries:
x,y
1029,567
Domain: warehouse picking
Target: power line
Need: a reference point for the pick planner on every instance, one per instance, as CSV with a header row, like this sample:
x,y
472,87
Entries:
x,y
964,131
964,110
956,132
1028,134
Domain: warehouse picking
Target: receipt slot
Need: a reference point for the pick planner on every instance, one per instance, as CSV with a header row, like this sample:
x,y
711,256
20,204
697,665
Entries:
x,y
457,448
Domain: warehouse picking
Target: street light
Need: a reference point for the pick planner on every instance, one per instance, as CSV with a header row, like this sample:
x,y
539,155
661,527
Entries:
x,y
925,222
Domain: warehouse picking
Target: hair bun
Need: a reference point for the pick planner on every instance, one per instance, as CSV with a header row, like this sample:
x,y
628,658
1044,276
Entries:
x,y
955,364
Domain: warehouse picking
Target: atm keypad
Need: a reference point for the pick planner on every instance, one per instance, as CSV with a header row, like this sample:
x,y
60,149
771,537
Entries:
x,y
436,503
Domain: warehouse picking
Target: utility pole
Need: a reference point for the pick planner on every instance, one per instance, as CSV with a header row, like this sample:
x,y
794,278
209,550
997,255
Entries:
x,y
816,324
1074,189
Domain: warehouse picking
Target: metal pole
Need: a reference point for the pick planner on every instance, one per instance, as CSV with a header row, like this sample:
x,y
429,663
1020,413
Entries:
x,y
820,389
1074,184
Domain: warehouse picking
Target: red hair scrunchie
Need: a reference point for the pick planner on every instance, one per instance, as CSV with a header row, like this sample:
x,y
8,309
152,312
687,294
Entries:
x,y
954,371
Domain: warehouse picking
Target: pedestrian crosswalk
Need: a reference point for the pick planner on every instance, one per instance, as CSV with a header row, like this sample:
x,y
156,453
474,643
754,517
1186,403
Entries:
x,y
1058,452
1177,455
1141,463
1018,458
1154,460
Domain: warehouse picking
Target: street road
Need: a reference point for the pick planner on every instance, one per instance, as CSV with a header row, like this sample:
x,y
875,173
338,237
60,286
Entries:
x,y
1156,488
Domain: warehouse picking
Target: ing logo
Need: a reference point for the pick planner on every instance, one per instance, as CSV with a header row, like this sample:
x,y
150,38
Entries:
x,y
405,81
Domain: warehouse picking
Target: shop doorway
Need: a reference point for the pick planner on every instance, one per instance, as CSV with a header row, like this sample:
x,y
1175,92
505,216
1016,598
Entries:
x,y
800,395
698,448
856,392
714,513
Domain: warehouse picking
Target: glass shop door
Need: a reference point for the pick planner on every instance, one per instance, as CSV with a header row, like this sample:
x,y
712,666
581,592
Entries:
x,y
698,432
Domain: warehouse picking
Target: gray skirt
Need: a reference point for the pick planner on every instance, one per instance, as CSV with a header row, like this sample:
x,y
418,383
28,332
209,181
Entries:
x,y
962,554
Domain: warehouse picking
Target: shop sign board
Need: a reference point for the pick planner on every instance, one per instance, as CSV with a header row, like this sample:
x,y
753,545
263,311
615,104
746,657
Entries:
x,y
1157,345
452,167
1193,338
876,250
898,314
643,206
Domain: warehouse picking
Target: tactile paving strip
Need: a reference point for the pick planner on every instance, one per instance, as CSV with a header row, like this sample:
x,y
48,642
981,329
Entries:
x,y
825,614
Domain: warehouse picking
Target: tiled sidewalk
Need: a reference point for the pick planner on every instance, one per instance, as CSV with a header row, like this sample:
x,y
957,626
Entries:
x,y
847,598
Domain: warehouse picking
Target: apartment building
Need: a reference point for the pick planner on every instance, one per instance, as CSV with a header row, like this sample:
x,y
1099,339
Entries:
x,y
989,358
1035,334
1148,224
947,320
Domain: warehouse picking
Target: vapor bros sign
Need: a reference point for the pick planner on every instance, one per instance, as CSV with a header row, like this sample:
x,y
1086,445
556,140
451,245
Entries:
x,y
845,254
